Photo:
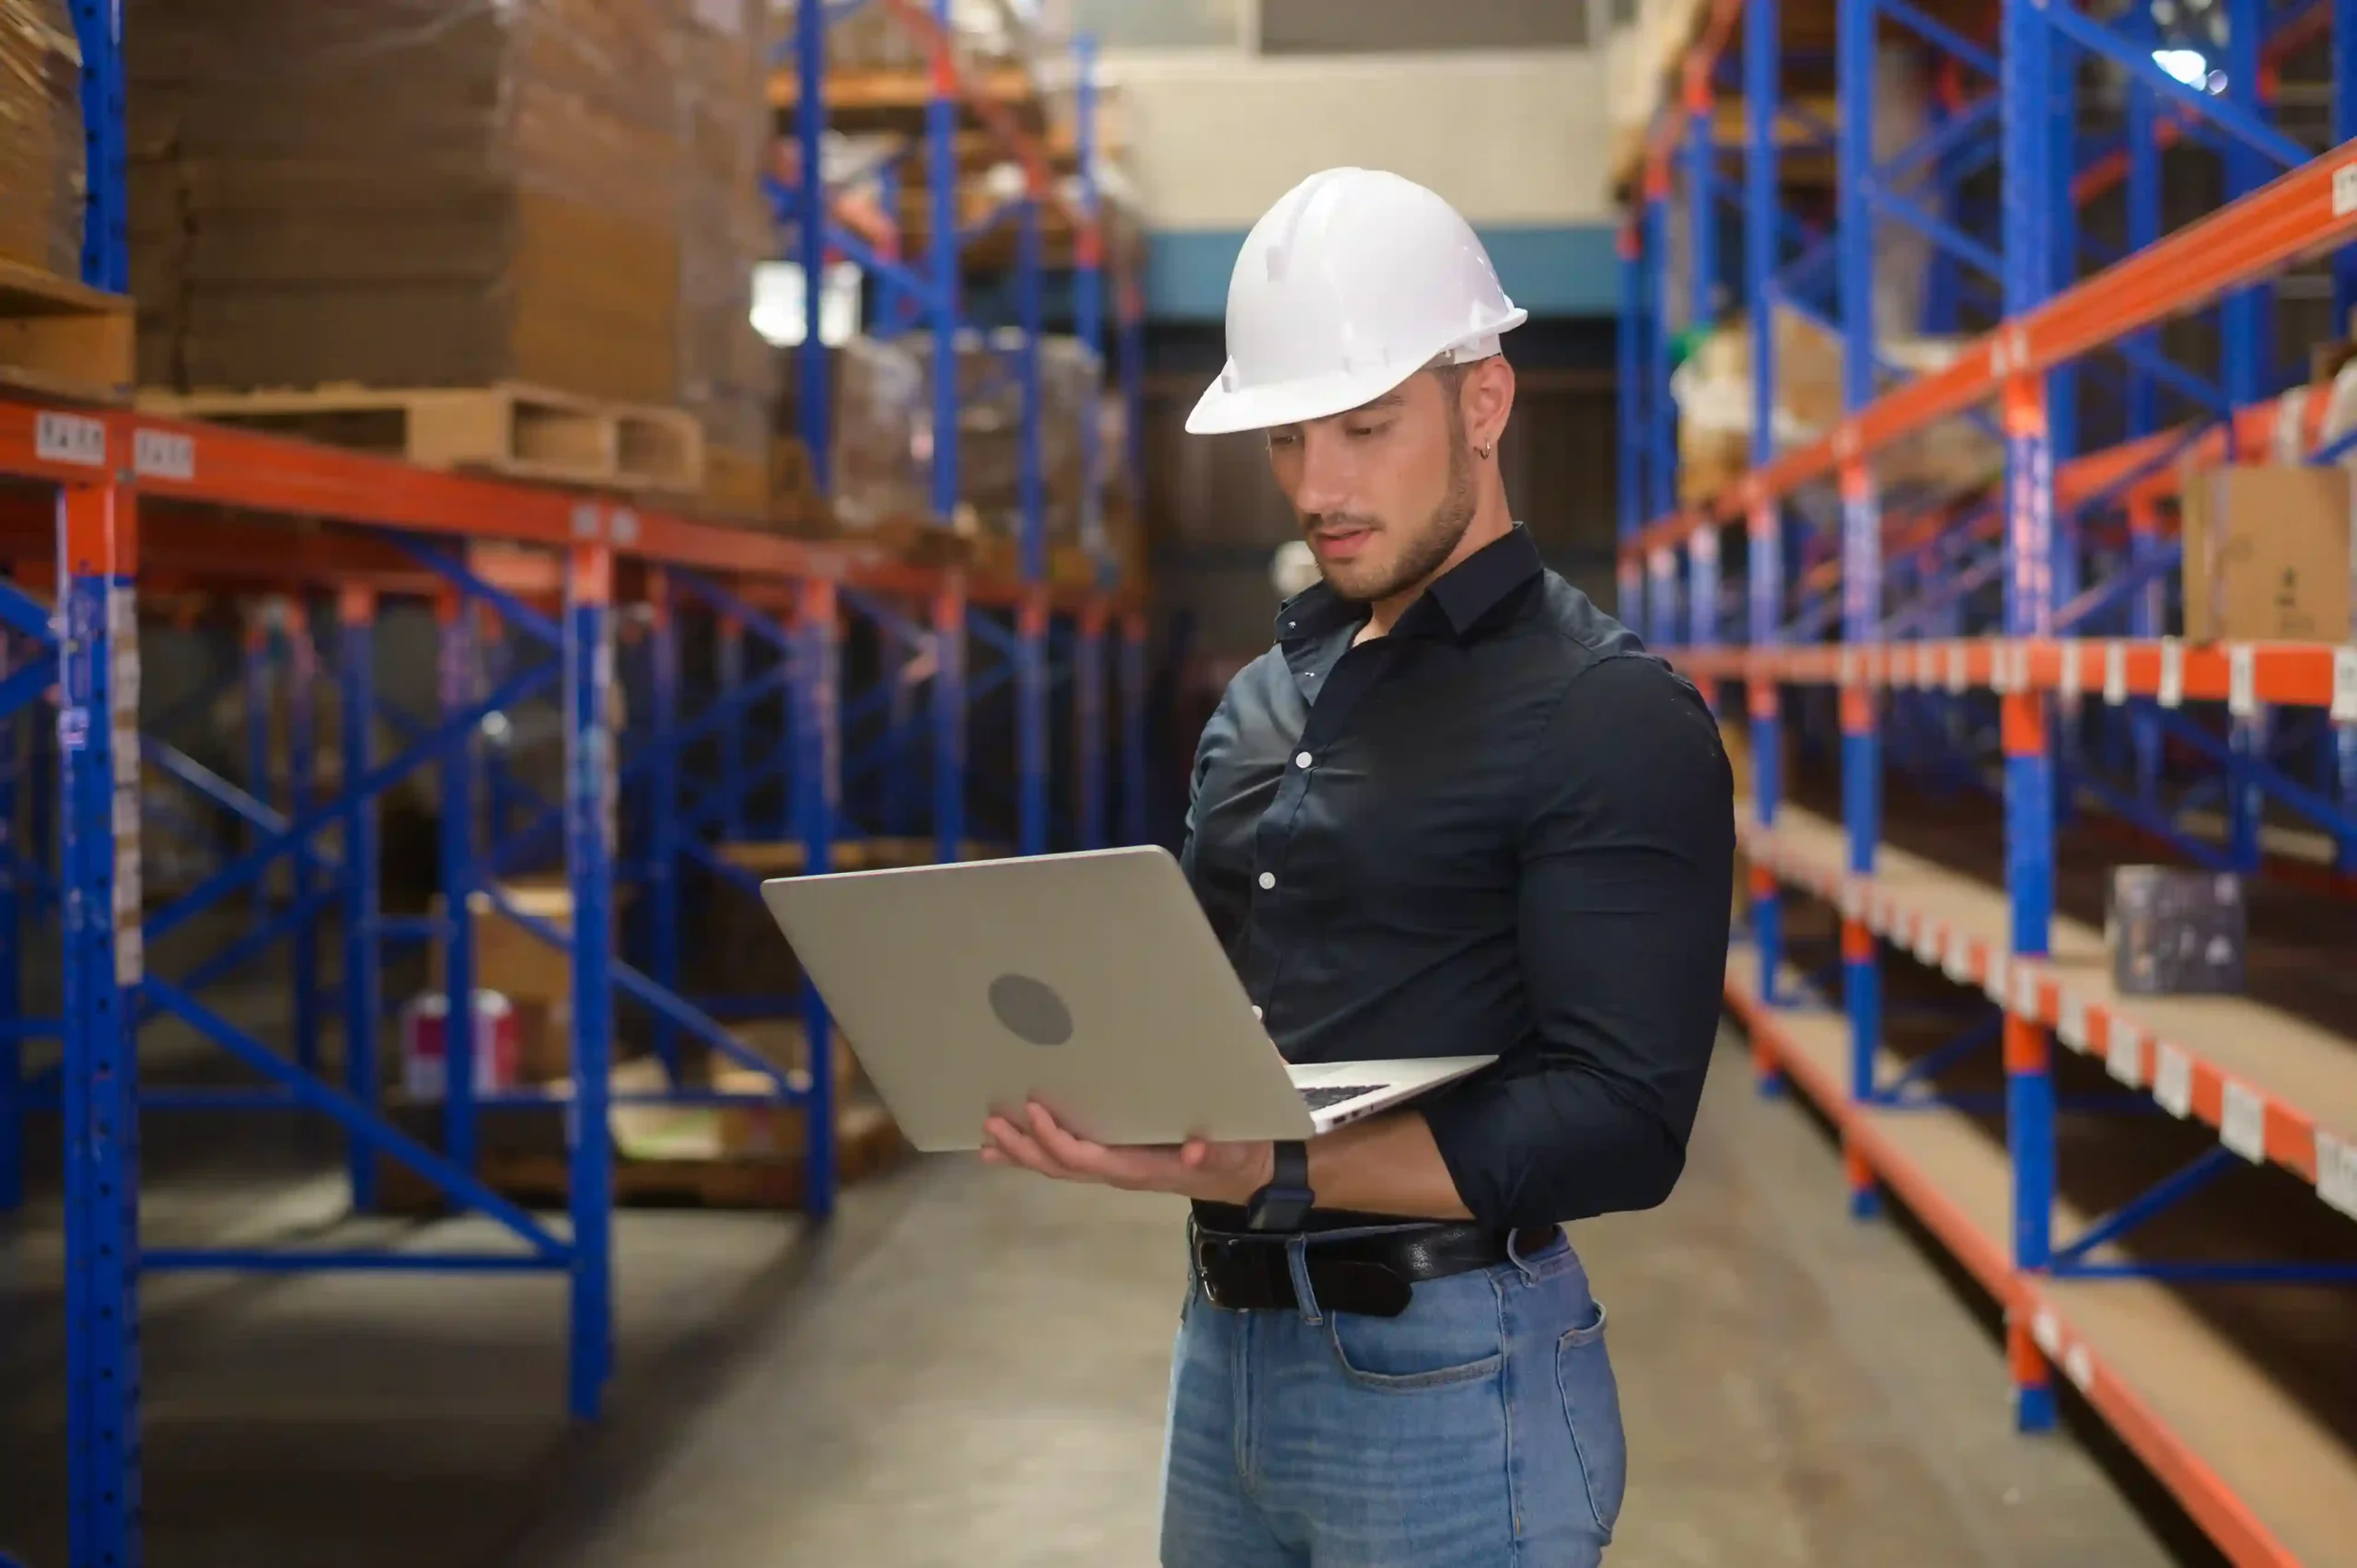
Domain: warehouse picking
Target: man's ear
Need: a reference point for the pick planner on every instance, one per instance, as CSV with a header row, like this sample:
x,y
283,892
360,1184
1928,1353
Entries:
x,y
1488,400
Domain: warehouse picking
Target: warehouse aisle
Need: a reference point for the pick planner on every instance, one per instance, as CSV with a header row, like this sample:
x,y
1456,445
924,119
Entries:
x,y
968,1372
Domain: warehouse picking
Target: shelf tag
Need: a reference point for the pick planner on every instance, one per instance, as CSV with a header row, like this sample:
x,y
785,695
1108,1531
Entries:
x,y
2241,681
1927,942
2070,1026
2344,190
2069,683
2123,1053
69,438
2241,1125
2026,980
1996,976
2336,1173
2173,1081
2079,1367
2046,1330
2115,673
1952,958
2001,669
1958,675
1923,672
2344,685
163,454
2172,672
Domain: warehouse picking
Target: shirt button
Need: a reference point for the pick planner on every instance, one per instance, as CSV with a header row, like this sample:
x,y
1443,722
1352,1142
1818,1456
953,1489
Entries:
x,y
1267,880
1301,760
1255,1012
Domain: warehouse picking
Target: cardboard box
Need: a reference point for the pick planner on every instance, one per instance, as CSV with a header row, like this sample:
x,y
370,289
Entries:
x,y
2267,553
2174,933
41,136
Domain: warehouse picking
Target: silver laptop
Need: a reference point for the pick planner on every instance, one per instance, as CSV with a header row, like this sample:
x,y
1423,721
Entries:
x,y
1090,981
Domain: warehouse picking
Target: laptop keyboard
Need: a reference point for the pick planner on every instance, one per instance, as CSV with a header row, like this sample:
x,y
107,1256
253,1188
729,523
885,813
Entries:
x,y
1324,1095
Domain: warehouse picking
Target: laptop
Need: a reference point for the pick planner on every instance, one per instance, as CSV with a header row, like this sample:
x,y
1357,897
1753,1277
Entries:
x,y
1090,981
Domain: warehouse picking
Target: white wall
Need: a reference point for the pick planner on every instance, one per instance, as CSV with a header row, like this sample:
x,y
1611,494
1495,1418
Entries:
x,y
1216,136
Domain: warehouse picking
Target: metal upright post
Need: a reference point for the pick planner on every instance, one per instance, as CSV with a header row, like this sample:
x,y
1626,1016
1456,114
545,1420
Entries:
x,y
1630,462
818,782
2344,129
12,954
1703,206
100,905
816,398
949,718
357,615
1031,661
1088,703
1089,310
731,656
2027,103
1861,559
457,854
1660,432
2145,542
106,227
662,871
589,842
1764,546
302,790
941,190
2246,354
257,671
1134,829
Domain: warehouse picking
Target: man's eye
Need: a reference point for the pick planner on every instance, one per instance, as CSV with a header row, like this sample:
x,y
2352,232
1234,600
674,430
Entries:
x,y
1281,439
1362,432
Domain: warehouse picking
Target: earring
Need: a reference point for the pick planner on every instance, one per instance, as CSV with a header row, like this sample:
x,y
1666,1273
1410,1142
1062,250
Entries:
x,y
1485,449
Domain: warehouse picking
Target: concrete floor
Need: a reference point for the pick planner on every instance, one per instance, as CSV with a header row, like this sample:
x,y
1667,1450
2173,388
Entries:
x,y
969,1369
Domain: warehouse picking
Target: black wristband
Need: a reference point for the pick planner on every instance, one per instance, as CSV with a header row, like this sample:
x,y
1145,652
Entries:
x,y
1285,1201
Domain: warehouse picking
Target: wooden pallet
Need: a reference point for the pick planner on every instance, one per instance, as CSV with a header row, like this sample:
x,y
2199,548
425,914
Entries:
x,y
60,339
524,432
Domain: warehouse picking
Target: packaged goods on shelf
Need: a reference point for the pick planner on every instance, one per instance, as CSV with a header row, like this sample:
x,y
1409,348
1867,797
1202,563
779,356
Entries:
x,y
2174,933
1713,389
422,193
727,371
41,160
2267,553
883,425
870,38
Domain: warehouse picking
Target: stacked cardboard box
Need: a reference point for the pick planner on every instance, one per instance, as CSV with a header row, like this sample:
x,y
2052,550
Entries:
x,y
414,192
726,369
41,136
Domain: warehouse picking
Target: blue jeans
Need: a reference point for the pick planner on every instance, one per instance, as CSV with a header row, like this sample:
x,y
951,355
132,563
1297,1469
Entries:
x,y
1479,1429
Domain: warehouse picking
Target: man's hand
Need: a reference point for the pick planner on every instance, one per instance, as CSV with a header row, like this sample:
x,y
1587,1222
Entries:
x,y
1214,1173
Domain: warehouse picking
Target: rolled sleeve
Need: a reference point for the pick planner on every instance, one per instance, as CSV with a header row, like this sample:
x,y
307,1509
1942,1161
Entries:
x,y
1626,860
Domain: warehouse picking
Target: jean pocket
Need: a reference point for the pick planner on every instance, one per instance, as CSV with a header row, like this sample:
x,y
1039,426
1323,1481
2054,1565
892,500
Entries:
x,y
1449,1335
1591,1397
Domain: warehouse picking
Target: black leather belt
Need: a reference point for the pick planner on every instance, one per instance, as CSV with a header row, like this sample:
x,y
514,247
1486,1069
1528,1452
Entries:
x,y
1373,1275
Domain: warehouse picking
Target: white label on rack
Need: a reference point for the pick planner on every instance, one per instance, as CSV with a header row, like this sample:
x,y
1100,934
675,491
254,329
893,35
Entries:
x,y
2173,1081
1853,900
163,454
1849,675
69,438
2123,1054
1922,659
2026,990
1958,675
2344,190
2344,685
2241,681
1995,976
2172,672
625,522
2071,1021
2079,1367
2001,669
2336,1173
1952,958
2242,1123
2115,673
2069,682
1927,942
2046,1330
130,953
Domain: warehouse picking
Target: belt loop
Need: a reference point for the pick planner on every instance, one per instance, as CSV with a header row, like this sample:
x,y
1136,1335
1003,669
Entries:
x,y
1515,1252
1297,1261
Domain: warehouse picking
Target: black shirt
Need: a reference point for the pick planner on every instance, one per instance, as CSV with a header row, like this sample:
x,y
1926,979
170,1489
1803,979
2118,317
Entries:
x,y
1504,826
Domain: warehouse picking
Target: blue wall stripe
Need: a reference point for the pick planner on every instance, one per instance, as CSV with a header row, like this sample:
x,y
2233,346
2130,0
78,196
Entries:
x,y
1562,270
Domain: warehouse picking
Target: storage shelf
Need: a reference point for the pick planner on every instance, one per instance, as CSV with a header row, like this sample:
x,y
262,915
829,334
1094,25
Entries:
x,y
2272,1485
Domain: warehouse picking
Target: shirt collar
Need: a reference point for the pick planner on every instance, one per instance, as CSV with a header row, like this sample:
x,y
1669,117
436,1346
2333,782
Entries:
x,y
1460,598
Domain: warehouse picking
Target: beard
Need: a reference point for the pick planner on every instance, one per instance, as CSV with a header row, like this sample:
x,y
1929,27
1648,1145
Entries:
x,y
1424,549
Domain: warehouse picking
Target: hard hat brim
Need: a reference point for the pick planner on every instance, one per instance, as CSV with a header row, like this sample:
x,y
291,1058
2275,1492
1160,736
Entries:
x,y
1221,411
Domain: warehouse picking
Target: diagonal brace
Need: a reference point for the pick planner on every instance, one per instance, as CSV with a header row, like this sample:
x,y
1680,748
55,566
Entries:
x,y
2204,1168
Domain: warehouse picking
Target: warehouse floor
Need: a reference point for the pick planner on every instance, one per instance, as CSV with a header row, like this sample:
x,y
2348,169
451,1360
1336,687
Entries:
x,y
968,1369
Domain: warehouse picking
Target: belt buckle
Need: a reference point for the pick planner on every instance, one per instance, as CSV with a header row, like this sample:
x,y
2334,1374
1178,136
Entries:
x,y
1205,1252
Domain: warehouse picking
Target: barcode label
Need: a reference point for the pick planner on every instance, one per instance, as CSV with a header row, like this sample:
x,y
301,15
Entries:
x,y
1958,673
2071,1026
2241,681
1952,959
2025,992
2046,1330
163,454
2337,1174
69,438
2242,1123
2115,673
2070,681
2079,1367
2344,190
1995,977
2344,685
2173,1081
2123,1053
1927,943
2172,672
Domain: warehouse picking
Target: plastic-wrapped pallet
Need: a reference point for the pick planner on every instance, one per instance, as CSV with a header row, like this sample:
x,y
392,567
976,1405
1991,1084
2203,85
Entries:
x,y
409,192
883,435
871,39
41,159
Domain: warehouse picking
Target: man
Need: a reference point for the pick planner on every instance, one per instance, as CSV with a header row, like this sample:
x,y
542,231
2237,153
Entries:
x,y
1457,809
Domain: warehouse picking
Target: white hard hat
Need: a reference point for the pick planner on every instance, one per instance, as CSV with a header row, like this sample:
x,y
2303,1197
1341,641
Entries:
x,y
1354,281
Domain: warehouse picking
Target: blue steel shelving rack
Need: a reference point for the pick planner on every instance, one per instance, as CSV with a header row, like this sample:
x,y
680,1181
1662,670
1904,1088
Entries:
x,y
596,590
2040,590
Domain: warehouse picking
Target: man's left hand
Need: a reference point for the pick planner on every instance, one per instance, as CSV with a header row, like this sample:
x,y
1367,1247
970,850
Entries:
x,y
1199,1168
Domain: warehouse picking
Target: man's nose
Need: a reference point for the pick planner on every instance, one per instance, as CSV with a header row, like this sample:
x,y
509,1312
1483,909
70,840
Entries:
x,y
1325,481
